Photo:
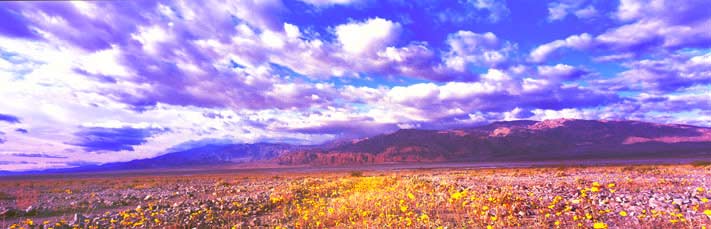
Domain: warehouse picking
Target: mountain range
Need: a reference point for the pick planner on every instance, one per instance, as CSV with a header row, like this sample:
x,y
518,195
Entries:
x,y
515,141
560,139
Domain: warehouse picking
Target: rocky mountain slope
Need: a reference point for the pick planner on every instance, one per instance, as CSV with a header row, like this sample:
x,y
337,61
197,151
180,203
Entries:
x,y
519,141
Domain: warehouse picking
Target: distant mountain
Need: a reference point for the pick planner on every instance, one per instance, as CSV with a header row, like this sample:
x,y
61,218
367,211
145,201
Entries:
x,y
209,155
518,141
202,155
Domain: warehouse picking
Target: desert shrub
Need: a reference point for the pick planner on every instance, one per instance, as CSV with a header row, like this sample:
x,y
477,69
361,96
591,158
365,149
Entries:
x,y
6,196
701,163
356,173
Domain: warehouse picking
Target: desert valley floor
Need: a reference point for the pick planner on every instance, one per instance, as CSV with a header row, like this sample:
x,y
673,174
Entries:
x,y
550,196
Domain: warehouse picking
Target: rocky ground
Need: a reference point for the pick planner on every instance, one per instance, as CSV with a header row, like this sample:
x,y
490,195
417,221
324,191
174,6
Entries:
x,y
597,197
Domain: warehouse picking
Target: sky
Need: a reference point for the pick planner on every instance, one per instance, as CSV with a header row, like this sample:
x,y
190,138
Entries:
x,y
90,82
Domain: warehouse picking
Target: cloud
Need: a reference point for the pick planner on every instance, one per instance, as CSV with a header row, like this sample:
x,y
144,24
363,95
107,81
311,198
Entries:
x,y
560,72
543,52
466,11
101,139
468,48
431,102
9,118
38,155
587,12
647,27
21,130
368,36
662,75
16,162
561,9
353,128
654,33
497,9
674,12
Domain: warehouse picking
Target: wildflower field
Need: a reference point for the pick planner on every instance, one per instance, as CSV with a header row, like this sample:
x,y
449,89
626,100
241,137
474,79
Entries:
x,y
662,196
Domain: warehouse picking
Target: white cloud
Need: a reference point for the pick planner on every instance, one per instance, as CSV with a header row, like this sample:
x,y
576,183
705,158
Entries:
x,y
467,47
587,12
272,40
420,93
367,37
150,37
569,113
557,11
542,52
614,57
560,10
292,31
559,72
497,9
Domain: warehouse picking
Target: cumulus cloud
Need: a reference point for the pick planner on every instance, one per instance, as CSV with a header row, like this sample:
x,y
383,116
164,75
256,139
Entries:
x,y
468,48
560,72
647,26
663,75
561,9
368,36
485,11
543,52
430,102
497,9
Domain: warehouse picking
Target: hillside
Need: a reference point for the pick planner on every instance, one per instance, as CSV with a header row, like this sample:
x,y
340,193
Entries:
x,y
518,141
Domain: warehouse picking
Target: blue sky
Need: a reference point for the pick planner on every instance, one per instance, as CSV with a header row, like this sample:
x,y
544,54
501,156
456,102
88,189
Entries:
x,y
104,81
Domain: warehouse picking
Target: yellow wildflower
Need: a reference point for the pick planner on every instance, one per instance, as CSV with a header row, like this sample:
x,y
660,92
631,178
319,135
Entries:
x,y
599,225
458,195
707,212
623,213
424,218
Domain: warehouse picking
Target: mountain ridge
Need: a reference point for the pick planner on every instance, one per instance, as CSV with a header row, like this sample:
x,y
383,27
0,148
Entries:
x,y
519,140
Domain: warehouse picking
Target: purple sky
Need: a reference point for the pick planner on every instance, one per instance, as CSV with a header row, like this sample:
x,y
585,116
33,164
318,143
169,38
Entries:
x,y
102,81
